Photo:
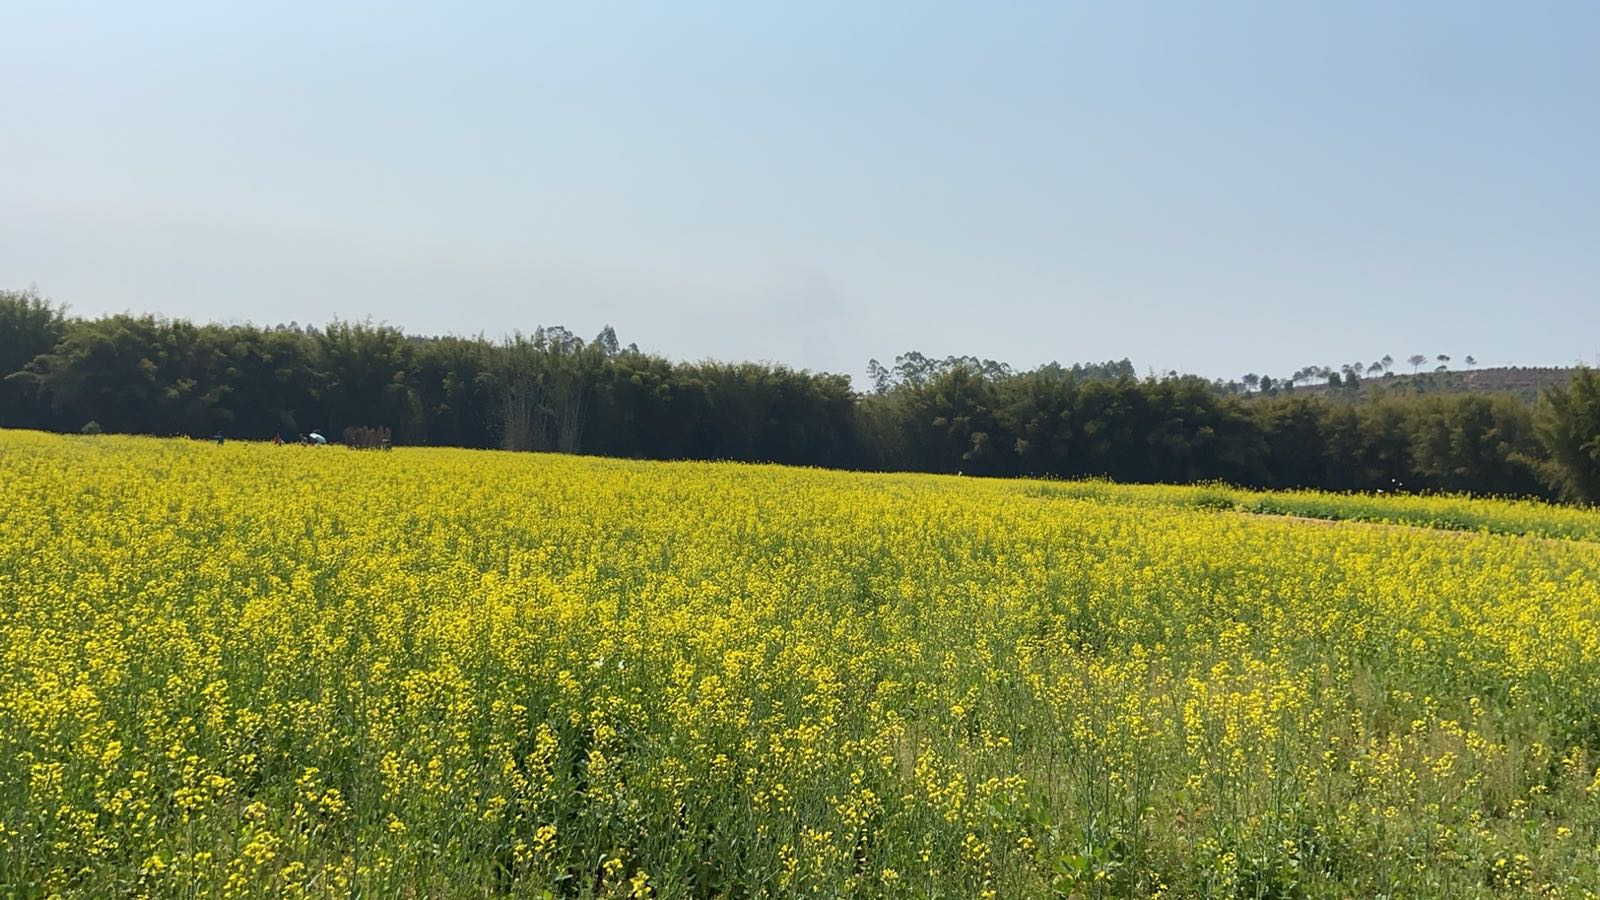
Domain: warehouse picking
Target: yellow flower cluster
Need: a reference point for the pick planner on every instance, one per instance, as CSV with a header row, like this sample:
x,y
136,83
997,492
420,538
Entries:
x,y
244,670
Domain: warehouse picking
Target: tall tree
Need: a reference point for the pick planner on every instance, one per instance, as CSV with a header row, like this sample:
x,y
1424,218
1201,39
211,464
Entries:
x,y
1569,425
137,374
30,326
369,373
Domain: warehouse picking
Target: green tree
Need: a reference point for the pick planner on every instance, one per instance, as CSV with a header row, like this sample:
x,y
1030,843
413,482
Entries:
x,y
1470,442
368,379
30,326
1568,422
137,374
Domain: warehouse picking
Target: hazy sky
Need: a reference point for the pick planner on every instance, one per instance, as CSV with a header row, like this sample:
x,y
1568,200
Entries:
x,y
1212,188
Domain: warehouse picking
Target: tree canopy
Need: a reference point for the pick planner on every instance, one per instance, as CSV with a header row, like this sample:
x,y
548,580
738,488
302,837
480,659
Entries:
x,y
553,390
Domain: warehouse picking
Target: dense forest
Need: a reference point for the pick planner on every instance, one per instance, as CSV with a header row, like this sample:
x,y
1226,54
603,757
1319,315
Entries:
x,y
552,390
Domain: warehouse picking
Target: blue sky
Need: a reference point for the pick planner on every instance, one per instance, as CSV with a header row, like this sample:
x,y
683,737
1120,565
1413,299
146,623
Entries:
x,y
1213,188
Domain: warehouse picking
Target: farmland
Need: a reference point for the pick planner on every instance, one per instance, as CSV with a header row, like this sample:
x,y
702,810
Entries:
x,y
247,670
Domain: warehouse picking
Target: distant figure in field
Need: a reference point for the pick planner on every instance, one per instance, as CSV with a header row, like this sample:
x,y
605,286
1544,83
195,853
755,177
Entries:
x,y
218,438
277,440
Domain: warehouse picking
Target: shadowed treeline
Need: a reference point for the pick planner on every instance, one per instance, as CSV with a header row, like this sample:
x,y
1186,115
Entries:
x,y
554,391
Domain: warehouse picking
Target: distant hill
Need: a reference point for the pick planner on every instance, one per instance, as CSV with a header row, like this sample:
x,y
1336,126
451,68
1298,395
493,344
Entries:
x,y
1523,381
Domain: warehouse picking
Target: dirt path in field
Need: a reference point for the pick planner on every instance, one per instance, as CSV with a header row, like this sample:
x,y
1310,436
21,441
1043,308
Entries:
x,y
1317,520
1458,532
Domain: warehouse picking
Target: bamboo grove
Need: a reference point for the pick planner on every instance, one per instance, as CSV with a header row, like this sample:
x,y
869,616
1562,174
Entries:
x,y
552,390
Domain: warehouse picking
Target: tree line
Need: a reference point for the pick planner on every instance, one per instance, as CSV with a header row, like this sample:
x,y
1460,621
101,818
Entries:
x,y
552,390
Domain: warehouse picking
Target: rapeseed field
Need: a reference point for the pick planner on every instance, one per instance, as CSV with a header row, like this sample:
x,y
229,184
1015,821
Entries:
x,y
255,671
